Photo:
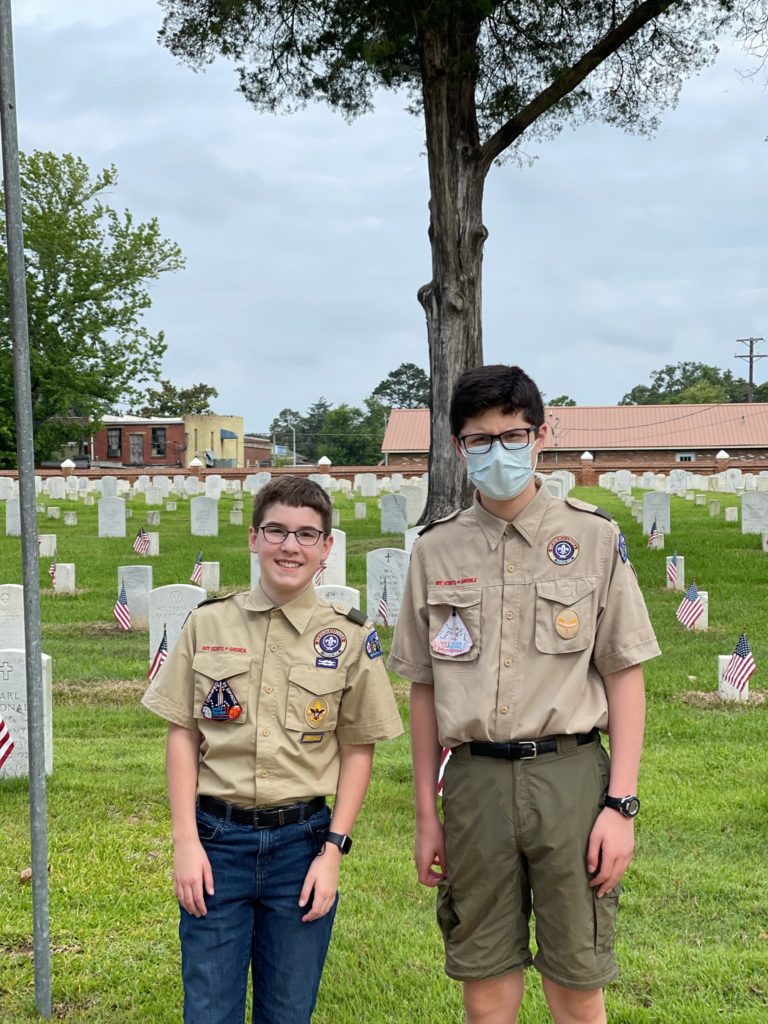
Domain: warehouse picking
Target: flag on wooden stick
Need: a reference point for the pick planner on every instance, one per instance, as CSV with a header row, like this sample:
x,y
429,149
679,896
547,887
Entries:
x,y
672,569
197,572
690,609
741,666
6,743
383,606
654,535
121,610
160,656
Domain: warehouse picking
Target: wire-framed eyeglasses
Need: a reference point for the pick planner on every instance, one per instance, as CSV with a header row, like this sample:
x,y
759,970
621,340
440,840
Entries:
x,y
512,440
307,536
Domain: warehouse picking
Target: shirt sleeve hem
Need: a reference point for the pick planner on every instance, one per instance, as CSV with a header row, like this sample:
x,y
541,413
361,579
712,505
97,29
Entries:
x,y
170,712
387,730
415,673
635,655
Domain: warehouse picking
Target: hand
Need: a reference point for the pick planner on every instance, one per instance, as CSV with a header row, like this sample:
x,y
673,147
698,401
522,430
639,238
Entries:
x,y
191,875
609,853
321,883
429,852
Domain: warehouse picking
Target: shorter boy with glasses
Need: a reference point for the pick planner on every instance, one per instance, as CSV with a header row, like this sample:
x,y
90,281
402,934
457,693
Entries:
x,y
274,700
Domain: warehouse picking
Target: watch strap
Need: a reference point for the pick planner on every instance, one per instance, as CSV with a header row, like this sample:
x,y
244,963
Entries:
x,y
343,842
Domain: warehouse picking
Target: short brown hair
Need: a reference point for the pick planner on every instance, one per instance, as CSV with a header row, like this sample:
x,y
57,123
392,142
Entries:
x,y
296,491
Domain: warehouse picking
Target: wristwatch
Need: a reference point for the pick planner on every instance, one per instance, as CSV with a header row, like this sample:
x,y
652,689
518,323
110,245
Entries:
x,y
626,805
344,843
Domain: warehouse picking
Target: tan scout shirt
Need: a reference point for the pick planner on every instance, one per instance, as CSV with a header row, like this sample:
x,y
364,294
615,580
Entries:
x,y
550,608
283,744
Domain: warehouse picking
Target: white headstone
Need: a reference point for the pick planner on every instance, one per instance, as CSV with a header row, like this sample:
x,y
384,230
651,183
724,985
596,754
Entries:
x,y
622,481
65,578
255,570
714,508
726,690
53,512
191,486
70,518
153,496
170,506
12,517
168,608
554,485
153,518
13,710
702,622
754,512
55,487
385,577
340,595
112,517
109,487
6,488
154,544
205,517
46,549
410,537
679,583
656,509
764,542
236,518
416,497
678,481
335,517
138,584
335,572
394,513
731,514
700,499
361,510
210,578
11,617
213,486
368,486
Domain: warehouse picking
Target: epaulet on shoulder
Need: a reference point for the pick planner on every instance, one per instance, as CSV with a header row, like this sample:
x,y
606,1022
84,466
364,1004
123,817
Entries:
x,y
213,600
585,506
354,614
436,522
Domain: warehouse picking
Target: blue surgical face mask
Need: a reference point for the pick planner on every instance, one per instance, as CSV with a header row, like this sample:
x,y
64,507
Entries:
x,y
499,473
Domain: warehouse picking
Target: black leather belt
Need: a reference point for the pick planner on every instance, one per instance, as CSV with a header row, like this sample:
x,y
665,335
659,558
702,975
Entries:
x,y
526,750
261,817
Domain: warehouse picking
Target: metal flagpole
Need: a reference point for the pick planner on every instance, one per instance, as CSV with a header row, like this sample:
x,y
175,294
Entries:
x,y
26,463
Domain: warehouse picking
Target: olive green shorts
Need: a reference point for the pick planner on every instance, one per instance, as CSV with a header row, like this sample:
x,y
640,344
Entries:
x,y
516,837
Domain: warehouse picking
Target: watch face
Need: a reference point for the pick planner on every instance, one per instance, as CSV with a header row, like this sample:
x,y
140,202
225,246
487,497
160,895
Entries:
x,y
630,806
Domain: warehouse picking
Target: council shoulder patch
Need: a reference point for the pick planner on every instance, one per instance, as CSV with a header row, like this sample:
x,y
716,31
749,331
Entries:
x,y
563,550
373,645
622,545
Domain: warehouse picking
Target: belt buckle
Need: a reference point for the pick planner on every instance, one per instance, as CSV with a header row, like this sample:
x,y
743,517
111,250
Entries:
x,y
531,744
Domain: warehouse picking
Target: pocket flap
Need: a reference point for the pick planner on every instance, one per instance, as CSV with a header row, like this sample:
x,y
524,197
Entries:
x,y
217,665
565,591
317,680
456,597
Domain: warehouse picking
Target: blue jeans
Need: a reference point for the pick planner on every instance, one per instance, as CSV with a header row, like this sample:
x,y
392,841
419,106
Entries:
x,y
254,919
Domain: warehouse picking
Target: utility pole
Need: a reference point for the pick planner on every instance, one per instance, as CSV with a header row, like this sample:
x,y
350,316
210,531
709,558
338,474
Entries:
x,y
751,342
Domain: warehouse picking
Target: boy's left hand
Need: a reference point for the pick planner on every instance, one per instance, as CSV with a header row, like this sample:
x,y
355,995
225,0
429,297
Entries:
x,y
321,883
609,854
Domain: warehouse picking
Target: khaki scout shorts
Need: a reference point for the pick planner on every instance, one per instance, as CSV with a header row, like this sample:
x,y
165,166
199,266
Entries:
x,y
516,837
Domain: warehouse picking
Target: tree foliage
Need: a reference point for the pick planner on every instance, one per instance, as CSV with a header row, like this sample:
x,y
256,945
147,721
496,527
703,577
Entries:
x,y
168,400
562,400
88,269
347,434
691,383
483,74
407,387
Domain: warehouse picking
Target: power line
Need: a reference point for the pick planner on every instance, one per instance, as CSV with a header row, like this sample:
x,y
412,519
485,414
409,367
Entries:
x,y
752,356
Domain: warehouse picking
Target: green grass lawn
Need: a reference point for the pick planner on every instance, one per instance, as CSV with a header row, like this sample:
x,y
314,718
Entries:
x,y
693,931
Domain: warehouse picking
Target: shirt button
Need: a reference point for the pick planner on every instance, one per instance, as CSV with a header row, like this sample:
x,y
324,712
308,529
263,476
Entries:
x,y
274,647
265,732
507,662
276,611
267,689
503,709
264,774
510,568
510,615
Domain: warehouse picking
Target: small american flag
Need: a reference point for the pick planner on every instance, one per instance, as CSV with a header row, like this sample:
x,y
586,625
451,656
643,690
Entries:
x,y
121,609
383,608
197,572
654,535
6,743
741,666
690,608
141,542
444,755
52,572
159,659
672,568
319,574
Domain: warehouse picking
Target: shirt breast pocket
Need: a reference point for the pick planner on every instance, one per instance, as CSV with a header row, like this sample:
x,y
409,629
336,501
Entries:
x,y
314,698
565,615
221,687
466,602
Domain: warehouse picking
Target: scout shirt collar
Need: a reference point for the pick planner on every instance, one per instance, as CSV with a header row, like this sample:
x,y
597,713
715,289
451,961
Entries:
x,y
298,611
526,522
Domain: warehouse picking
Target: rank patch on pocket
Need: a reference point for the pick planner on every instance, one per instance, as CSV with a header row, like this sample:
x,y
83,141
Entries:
x,y
221,704
316,712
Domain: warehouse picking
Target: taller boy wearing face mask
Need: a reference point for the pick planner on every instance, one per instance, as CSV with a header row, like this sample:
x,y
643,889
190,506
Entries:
x,y
523,631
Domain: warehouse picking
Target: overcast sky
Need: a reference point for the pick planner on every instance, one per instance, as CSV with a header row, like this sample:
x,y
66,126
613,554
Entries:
x,y
306,238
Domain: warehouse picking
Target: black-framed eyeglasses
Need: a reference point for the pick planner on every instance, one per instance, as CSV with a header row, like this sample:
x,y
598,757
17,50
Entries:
x,y
512,440
307,536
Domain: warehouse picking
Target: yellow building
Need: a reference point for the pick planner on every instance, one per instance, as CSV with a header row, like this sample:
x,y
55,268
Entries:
x,y
214,439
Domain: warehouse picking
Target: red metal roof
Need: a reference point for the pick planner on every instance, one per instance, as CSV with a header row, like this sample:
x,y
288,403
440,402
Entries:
x,y
611,427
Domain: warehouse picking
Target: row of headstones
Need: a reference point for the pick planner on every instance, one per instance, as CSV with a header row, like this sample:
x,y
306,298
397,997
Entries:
x,y
678,481
655,508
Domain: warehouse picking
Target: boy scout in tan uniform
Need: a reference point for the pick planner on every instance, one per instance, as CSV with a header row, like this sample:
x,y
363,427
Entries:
x,y
274,700
523,630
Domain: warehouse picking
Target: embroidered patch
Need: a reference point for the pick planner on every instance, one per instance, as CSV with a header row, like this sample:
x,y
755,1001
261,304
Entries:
x,y
316,712
567,624
453,583
221,647
330,642
453,637
623,552
221,704
373,645
327,662
563,550
311,737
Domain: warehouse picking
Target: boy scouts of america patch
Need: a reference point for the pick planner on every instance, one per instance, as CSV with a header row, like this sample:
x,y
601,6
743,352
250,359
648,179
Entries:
x,y
563,550
373,645
567,624
221,704
316,712
623,553
330,642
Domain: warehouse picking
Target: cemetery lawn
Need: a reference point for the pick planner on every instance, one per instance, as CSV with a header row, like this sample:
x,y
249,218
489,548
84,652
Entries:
x,y
693,929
